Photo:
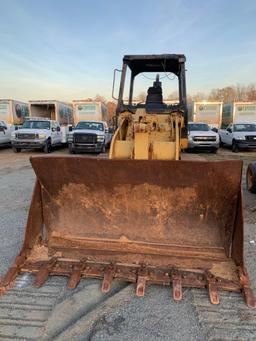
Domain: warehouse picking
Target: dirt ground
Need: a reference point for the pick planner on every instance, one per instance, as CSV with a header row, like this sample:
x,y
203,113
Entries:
x,y
54,313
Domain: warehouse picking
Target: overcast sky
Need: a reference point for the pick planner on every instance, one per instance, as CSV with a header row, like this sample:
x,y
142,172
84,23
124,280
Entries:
x,y
67,49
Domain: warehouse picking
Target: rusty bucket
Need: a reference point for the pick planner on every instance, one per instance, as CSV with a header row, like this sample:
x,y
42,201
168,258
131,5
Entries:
x,y
176,223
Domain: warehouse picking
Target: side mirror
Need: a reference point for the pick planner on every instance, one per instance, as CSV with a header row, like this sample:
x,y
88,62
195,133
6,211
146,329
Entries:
x,y
70,128
107,130
53,129
58,128
229,130
16,128
215,130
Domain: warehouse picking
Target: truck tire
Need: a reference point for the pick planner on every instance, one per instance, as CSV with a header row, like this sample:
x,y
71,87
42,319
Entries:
x,y
103,148
48,147
220,143
71,149
16,150
251,177
235,148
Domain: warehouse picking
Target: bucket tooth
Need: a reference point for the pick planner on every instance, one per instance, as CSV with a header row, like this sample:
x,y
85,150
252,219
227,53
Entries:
x,y
75,276
44,272
142,280
107,280
176,286
249,296
13,272
212,288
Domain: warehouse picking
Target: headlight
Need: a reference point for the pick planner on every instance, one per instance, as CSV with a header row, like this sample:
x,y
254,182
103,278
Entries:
x,y
70,137
240,138
41,136
100,138
13,135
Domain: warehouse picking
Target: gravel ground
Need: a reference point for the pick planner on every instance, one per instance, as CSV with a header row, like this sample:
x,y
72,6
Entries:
x,y
86,314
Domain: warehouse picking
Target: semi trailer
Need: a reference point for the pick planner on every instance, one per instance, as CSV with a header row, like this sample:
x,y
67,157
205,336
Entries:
x,y
238,112
53,110
13,112
90,111
207,112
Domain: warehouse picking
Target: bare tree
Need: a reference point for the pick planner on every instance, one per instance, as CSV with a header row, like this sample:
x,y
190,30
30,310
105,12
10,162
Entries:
x,y
141,96
111,109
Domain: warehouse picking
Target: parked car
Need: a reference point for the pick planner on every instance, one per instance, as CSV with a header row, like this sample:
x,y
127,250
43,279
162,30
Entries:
x,y
89,136
37,134
5,133
239,136
200,136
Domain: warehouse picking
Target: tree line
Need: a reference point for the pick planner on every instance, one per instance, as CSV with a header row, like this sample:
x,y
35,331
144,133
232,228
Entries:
x,y
226,95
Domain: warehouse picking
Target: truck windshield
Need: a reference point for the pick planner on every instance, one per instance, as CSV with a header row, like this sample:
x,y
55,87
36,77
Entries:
x,y
36,125
90,126
198,127
244,127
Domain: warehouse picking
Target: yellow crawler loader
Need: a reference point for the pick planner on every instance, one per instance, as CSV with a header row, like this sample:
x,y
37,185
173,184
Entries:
x,y
144,215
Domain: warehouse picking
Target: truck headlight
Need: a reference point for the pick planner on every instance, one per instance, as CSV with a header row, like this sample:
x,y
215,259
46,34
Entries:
x,y
13,135
100,138
70,137
240,138
41,136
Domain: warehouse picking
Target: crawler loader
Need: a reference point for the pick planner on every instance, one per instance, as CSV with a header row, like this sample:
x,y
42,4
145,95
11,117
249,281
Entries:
x,y
145,215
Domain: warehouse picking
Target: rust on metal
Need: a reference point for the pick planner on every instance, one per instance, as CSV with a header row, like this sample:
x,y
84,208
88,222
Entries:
x,y
146,217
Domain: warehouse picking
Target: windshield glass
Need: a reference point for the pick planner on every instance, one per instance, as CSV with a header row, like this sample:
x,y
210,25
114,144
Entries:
x,y
90,126
198,127
244,127
36,125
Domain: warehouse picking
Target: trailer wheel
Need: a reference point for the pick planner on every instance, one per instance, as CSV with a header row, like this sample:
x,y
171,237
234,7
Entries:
x,y
251,177
16,150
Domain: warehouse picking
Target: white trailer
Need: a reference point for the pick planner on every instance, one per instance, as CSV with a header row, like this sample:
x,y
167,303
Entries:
x,y
238,112
90,111
208,112
54,110
13,112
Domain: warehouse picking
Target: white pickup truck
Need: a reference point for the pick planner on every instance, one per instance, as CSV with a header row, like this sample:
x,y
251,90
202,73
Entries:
x,y
37,134
5,133
240,135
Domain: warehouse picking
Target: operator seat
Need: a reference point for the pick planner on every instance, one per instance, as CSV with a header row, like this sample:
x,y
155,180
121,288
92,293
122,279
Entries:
x,y
154,100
